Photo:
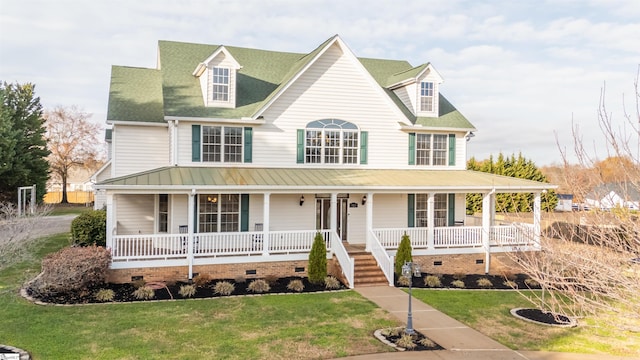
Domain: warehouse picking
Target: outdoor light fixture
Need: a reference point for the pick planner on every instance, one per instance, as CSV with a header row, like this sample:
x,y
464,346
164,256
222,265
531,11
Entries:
x,y
469,135
364,199
301,200
409,270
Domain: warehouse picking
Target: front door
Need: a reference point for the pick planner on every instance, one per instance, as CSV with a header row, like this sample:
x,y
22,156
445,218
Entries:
x,y
323,215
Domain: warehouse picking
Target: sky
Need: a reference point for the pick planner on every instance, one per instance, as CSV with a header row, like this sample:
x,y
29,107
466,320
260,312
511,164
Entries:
x,y
525,73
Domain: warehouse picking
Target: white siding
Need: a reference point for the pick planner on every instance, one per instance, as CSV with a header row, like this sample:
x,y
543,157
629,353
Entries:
x,y
256,216
287,214
407,95
178,212
221,61
139,148
390,210
461,153
461,207
135,214
428,76
331,88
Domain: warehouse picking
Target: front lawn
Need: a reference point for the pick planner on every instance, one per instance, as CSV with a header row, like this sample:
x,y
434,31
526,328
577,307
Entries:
x,y
325,325
488,312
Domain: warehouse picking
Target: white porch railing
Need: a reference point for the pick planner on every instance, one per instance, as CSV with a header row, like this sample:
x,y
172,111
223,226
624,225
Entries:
x,y
161,246
513,235
346,263
385,261
390,238
458,236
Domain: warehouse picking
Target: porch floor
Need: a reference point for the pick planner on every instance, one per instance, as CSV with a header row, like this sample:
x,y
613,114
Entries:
x,y
353,248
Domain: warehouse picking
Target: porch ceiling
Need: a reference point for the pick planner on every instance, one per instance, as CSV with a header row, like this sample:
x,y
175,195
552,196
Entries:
x,y
295,179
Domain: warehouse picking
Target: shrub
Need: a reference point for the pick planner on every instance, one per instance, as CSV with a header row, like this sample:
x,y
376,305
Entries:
x,y
201,280
224,288
511,284
187,291
432,281
531,283
259,286
317,260
240,279
406,341
331,283
295,285
404,281
271,279
144,293
427,342
404,253
138,283
459,276
510,276
104,295
392,332
484,282
458,284
90,228
71,270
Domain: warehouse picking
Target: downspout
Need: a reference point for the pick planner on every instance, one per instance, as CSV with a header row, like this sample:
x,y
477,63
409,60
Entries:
x,y
190,226
488,209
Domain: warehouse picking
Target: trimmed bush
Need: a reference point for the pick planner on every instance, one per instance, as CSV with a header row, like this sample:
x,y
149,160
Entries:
x,y
224,288
404,281
331,283
432,281
144,293
317,260
531,283
458,284
484,282
187,291
71,270
271,279
105,295
201,280
403,255
90,228
259,286
295,285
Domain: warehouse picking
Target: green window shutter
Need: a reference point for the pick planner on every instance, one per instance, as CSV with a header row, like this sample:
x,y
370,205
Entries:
x,y
244,212
451,210
248,144
196,216
300,147
452,149
411,213
195,143
364,144
412,148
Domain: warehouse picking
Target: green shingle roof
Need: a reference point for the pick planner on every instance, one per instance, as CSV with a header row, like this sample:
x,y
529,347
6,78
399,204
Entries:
x,y
148,95
260,179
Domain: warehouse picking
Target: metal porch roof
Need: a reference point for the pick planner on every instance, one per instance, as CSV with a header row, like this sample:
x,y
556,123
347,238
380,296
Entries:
x,y
317,179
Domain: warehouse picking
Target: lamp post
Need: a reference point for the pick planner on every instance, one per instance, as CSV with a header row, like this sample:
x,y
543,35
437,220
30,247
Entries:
x,y
409,270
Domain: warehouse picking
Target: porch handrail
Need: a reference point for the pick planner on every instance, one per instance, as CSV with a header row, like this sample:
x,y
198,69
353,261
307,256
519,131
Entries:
x,y
390,238
346,263
155,246
513,234
385,261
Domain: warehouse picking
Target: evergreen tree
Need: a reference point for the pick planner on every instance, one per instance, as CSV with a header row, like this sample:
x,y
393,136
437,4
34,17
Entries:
x,y
317,260
403,255
23,148
512,166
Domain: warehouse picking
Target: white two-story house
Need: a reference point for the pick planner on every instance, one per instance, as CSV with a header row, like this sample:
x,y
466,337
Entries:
x,y
229,160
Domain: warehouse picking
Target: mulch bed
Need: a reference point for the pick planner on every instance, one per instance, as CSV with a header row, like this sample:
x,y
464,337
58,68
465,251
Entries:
x,y
471,282
417,338
124,292
542,317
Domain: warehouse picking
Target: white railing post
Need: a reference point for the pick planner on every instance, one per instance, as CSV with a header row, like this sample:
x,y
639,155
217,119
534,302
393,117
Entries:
x,y
190,226
346,263
369,222
265,223
431,199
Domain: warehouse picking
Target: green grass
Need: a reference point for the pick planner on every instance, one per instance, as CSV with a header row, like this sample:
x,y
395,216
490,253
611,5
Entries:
x,y
57,210
488,312
326,325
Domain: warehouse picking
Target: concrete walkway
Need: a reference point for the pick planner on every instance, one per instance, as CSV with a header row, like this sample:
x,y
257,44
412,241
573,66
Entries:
x,y
459,340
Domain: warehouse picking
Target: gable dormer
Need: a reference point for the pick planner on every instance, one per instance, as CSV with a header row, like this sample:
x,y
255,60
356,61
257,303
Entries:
x,y
218,74
418,88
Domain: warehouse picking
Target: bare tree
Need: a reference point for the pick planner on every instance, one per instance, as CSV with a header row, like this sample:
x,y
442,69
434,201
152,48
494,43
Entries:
x,y
17,233
590,262
72,140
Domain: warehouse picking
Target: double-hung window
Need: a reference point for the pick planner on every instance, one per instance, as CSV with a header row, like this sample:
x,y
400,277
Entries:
x,y
218,213
220,84
222,144
431,149
331,141
426,96
439,210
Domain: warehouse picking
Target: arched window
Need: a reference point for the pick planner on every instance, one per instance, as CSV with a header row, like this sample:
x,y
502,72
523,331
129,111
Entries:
x,y
331,141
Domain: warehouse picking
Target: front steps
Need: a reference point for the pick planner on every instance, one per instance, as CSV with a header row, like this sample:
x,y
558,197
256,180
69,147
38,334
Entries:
x,y
366,270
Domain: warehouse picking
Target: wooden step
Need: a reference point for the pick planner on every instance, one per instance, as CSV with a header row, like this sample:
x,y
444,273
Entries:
x,y
366,270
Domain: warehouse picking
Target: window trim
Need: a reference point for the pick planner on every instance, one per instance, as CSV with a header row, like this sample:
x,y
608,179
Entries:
x,y
323,128
223,145
431,150
219,214
225,85
160,213
422,97
438,198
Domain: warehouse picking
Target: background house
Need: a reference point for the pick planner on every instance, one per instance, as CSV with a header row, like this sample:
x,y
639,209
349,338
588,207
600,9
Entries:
x,y
614,195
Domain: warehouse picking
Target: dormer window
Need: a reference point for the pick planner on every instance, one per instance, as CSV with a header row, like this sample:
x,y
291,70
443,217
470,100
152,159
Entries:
x,y
426,96
220,83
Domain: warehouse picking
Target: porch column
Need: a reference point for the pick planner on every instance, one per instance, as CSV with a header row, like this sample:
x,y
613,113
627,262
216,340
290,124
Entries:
x,y
536,219
110,220
369,221
431,221
488,210
190,225
265,223
334,212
